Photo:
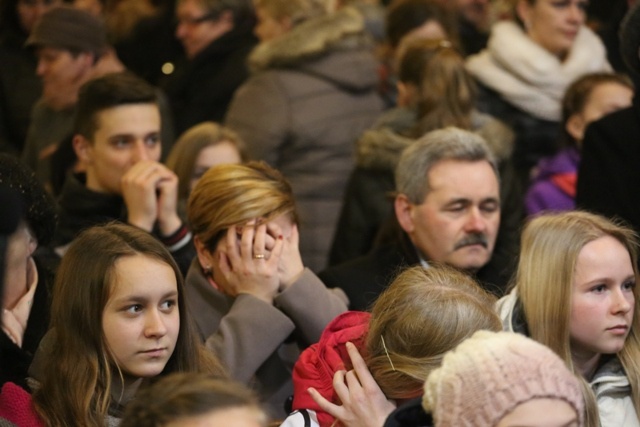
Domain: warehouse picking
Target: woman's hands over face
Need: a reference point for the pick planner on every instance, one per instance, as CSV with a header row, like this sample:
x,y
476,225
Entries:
x,y
259,258
291,267
248,258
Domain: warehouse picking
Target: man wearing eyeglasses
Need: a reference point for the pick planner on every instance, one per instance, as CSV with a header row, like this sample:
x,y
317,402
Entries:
x,y
217,36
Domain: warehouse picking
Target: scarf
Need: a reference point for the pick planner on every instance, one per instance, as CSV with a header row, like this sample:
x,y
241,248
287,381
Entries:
x,y
528,76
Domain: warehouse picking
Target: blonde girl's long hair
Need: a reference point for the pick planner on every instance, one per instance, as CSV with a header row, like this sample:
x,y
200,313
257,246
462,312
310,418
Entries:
x,y
76,383
423,314
544,281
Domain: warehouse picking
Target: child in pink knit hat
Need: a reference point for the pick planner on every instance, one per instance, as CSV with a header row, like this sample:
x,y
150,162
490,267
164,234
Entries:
x,y
500,379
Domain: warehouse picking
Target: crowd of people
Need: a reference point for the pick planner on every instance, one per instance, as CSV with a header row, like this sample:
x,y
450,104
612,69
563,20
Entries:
x,y
319,213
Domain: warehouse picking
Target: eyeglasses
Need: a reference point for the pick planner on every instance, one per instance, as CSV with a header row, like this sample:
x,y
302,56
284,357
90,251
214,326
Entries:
x,y
191,21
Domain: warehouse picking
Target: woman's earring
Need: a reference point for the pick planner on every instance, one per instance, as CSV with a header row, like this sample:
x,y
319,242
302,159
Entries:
x,y
207,270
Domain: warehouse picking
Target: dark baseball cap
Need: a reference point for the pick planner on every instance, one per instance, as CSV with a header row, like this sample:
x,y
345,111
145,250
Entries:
x,y
69,28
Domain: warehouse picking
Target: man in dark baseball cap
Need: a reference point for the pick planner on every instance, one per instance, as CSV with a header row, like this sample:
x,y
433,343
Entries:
x,y
72,29
71,46
68,42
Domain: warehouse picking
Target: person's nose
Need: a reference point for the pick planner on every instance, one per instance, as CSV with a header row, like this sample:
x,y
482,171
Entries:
x,y
155,326
181,30
622,301
576,14
41,68
475,222
140,151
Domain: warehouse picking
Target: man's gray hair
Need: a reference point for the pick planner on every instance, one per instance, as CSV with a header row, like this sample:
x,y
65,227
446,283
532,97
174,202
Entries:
x,y
444,144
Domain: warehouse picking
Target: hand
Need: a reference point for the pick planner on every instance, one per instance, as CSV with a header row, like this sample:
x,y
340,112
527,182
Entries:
x,y
363,403
150,193
245,274
291,267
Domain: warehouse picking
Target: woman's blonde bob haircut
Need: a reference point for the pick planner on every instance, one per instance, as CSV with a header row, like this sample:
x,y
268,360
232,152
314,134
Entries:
x,y
229,195
544,282
422,315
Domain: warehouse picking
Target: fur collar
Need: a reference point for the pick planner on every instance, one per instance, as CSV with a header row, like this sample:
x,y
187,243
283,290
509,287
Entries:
x,y
310,39
380,148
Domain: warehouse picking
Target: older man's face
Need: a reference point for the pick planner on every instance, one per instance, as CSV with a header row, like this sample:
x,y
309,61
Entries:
x,y
458,221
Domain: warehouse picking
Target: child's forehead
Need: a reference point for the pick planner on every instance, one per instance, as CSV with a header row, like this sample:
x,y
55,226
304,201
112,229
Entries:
x,y
141,276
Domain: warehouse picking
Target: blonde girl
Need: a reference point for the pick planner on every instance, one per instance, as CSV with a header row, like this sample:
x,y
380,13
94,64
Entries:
x,y
575,292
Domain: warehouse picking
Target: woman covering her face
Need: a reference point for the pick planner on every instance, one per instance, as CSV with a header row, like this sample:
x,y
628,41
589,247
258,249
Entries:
x,y
255,303
575,292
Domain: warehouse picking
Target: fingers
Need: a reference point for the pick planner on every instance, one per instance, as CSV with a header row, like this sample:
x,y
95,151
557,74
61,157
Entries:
x,y
330,408
360,367
259,247
340,386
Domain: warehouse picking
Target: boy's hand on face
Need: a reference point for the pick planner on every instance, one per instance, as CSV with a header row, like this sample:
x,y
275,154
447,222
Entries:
x,y
150,192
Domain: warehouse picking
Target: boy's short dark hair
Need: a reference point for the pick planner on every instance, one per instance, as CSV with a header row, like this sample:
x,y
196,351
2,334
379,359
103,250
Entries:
x,y
108,91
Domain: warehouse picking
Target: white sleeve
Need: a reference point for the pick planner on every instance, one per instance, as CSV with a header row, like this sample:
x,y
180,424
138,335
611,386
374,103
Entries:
x,y
301,418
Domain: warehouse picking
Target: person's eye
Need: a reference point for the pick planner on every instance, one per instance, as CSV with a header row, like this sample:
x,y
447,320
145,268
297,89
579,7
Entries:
x,y
458,207
119,142
629,286
152,140
598,289
490,207
168,304
134,308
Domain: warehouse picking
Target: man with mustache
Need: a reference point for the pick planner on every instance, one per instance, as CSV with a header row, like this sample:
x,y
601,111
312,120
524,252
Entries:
x,y
447,208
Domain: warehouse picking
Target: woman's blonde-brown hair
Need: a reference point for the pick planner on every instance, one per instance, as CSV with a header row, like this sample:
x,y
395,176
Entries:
x,y
446,92
423,314
184,154
551,244
79,371
229,195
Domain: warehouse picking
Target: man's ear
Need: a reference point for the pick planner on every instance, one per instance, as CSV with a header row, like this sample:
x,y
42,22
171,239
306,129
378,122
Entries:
x,y
83,148
205,257
404,212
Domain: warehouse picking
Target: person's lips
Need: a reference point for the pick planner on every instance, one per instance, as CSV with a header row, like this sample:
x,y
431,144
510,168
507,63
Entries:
x,y
155,352
619,329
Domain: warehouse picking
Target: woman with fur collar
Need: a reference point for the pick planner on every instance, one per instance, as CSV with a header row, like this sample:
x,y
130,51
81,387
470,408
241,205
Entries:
x,y
434,91
575,292
311,95
528,65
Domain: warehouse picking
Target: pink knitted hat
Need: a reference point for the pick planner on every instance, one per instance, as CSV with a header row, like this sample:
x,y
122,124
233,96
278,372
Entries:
x,y
489,374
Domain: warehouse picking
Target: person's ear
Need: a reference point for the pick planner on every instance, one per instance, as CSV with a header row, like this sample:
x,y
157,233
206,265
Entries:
x,y
404,212
406,92
205,256
523,11
575,127
83,148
